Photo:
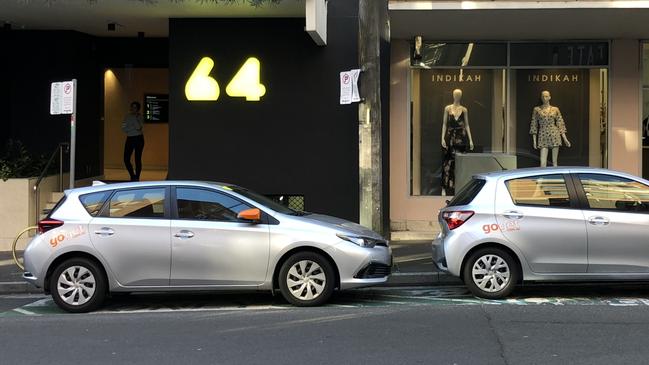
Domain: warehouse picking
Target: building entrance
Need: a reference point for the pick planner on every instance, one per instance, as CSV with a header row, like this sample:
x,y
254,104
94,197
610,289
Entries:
x,y
150,88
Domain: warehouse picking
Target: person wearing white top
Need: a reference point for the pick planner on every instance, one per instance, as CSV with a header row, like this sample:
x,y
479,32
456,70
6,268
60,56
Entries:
x,y
132,126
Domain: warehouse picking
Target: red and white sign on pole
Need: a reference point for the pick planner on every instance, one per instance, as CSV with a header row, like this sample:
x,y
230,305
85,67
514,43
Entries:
x,y
349,86
63,100
62,97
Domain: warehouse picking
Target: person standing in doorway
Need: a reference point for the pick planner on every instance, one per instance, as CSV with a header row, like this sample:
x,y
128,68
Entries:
x,y
132,125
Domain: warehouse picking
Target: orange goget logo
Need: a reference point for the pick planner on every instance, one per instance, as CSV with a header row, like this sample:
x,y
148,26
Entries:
x,y
76,232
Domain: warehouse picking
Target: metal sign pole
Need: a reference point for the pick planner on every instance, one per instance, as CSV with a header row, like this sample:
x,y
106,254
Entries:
x,y
73,131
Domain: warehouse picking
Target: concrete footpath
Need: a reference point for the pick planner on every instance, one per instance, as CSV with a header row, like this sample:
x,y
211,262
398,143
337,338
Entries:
x,y
413,266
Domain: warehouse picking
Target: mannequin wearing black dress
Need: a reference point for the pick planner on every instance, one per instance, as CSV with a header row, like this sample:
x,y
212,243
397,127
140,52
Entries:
x,y
456,137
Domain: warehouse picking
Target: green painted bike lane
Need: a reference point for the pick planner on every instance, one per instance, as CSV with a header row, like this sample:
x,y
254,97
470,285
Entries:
x,y
374,297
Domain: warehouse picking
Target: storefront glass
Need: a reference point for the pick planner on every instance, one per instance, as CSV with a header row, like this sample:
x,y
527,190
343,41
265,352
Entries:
x,y
484,113
645,110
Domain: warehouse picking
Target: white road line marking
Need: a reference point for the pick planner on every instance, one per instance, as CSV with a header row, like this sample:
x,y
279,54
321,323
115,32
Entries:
x,y
26,312
204,309
41,303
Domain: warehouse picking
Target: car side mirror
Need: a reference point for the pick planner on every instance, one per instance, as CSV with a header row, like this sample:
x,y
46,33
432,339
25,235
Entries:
x,y
252,215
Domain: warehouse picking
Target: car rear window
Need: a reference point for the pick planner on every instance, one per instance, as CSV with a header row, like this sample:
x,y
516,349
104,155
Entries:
x,y
467,193
56,206
94,201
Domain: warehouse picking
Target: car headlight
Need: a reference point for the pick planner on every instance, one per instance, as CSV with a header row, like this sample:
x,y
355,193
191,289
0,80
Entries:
x,y
362,241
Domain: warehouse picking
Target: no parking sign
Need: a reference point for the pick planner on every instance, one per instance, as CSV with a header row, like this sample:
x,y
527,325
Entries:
x,y
63,100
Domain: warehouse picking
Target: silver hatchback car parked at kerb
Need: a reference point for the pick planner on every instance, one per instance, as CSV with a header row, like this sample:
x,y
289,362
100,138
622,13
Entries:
x,y
182,235
545,224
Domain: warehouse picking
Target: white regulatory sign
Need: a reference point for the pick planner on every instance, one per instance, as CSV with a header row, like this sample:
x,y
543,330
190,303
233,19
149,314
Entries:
x,y
349,86
62,98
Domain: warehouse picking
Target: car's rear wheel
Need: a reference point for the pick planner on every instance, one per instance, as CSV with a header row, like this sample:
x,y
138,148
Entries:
x,y
491,273
306,279
78,285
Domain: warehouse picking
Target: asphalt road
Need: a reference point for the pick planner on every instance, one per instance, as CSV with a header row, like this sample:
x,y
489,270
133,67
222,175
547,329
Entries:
x,y
431,325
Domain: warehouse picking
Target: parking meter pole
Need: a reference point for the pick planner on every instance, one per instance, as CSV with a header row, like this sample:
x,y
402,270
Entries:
x,y
73,132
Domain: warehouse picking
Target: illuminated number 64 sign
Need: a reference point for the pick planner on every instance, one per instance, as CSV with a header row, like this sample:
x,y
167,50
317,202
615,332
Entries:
x,y
245,84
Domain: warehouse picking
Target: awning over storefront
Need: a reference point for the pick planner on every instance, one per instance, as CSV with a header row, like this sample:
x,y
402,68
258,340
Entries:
x,y
516,20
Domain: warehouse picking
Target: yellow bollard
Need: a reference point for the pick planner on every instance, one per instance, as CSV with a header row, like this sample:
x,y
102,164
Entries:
x,y
13,247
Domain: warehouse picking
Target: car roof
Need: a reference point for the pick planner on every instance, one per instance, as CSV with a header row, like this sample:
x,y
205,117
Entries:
x,y
99,186
529,171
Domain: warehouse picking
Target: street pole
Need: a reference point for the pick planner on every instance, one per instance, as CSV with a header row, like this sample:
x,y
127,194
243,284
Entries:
x,y
373,26
73,131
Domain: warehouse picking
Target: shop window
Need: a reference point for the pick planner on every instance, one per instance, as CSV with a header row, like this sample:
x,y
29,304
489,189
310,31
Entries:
x,y
645,110
565,111
479,107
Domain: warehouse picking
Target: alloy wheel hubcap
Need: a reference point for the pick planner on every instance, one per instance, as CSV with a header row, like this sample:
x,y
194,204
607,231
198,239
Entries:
x,y
306,280
76,285
491,273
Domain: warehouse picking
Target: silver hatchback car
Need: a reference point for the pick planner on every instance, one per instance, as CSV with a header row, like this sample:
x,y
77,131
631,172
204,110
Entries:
x,y
182,235
545,224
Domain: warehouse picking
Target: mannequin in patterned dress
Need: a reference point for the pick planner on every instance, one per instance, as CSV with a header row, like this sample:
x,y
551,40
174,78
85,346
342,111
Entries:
x,y
548,130
455,130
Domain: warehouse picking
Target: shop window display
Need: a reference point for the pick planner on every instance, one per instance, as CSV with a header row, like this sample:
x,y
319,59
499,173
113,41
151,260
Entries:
x,y
645,110
473,114
558,117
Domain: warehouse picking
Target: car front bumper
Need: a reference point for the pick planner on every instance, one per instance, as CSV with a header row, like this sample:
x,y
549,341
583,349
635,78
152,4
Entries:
x,y
362,267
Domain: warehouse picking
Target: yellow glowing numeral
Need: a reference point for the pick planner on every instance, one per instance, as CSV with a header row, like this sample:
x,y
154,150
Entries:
x,y
246,82
201,86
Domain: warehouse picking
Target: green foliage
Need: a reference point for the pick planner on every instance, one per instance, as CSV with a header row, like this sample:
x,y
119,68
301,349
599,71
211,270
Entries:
x,y
17,162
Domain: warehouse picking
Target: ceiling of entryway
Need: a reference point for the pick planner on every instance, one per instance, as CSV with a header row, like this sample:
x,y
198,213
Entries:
x,y
133,16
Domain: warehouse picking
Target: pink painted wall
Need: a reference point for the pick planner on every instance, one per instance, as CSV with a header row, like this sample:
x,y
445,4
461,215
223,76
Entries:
x,y
625,148
404,207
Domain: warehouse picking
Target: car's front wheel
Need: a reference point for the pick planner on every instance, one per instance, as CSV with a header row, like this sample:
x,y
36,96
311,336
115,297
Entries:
x,y
491,273
78,285
306,279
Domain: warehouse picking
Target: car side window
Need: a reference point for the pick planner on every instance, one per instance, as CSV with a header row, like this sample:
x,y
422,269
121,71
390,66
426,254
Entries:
x,y
201,204
138,203
94,201
610,192
542,190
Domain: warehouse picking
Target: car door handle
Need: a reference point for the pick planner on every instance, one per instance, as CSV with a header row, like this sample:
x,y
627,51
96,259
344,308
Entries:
x,y
184,234
512,214
598,221
105,231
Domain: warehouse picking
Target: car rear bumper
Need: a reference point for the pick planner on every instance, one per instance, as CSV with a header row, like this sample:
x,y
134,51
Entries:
x,y
30,278
439,257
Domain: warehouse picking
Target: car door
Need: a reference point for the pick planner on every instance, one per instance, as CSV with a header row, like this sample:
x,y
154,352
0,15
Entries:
x,y
541,216
132,235
617,212
211,246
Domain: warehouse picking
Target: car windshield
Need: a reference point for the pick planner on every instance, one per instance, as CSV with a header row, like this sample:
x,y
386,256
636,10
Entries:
x,y
263,200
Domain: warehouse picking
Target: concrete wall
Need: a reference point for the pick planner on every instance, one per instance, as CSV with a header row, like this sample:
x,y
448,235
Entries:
x,y
18,207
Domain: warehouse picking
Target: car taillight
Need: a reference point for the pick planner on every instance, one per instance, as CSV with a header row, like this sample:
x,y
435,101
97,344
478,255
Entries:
x,y
47,224
456,218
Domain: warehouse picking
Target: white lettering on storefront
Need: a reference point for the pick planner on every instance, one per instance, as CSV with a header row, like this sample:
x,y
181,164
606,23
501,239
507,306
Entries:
x,y
553,78
457,78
